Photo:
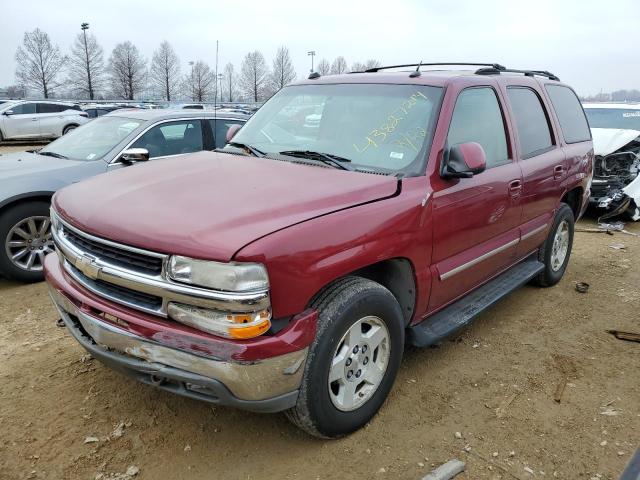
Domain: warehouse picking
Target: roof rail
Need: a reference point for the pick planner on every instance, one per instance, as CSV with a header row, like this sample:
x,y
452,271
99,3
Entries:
x,y
497,66
527,73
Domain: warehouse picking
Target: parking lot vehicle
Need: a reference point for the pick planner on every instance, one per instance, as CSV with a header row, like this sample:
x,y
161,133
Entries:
x,y
29,179
287,272
39,119
616,143
96,110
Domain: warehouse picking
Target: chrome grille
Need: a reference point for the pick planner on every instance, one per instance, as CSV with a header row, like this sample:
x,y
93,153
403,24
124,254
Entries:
x,y
118,256
135,277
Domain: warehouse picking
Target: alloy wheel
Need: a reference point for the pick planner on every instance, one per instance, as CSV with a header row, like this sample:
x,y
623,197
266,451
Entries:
x,y
359,363
560,246
28,242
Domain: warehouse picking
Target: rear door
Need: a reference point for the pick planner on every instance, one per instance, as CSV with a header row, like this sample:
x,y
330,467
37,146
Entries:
x,y
542,162
475,220
23,123
51,118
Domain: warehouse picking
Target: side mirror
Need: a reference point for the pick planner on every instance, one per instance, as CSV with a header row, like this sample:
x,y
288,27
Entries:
x,y
463,160
7,112
133,155
233,129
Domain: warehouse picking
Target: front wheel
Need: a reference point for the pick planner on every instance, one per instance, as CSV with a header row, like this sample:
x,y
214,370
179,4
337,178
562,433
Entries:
x,y
354,359
25,239
556,249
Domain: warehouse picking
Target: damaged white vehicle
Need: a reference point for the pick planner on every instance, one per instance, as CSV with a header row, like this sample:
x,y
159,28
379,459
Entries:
x,y
615,128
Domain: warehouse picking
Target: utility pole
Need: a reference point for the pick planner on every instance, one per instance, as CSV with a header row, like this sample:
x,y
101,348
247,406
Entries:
x,y
312,53
192,82
219,87
85,26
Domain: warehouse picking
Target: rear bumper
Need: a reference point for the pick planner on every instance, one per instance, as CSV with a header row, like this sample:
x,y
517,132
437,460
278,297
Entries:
x,y
264,385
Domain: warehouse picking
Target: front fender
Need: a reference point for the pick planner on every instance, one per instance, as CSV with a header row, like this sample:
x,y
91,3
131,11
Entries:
x,y
304,258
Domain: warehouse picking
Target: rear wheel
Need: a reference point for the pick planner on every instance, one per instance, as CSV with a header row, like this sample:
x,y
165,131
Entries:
x,y
68,128
25,236
353,360
556,250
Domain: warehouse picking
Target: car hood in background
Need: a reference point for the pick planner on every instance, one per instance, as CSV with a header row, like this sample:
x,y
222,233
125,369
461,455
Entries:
x,y
21,164
209,205
608,140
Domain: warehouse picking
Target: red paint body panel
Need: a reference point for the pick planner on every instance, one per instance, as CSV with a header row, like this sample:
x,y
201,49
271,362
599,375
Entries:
x,y
209,205
297,335
312,225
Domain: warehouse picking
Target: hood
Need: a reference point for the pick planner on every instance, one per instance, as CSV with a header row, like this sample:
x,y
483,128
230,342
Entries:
x,y
20,164
608,140
209,205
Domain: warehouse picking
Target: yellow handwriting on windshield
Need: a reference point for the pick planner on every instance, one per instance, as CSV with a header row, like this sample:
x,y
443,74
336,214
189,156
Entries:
x,y
379,135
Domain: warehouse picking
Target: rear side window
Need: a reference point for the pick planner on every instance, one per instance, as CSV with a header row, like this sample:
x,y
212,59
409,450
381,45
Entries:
x,y
477,118
220,128
570,114
531,121
49,108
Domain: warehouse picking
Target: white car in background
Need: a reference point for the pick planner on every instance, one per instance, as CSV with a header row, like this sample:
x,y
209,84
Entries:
x,y
615,128
24,119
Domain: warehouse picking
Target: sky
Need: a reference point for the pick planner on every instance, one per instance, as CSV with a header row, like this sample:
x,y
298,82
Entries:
x,y
591,45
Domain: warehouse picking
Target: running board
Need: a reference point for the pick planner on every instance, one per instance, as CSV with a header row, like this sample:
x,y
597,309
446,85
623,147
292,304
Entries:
x,y
460,314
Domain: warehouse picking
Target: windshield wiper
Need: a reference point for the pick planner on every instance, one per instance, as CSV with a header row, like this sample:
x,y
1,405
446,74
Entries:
x,y
254,151
52,154
326,158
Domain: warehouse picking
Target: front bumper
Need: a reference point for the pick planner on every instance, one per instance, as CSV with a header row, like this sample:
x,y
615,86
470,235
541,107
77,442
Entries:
x,y
264,385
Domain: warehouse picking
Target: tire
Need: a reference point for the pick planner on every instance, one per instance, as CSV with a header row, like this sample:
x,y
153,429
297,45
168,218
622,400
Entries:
x,y
38,211
68,128
350,302
633,212
562,228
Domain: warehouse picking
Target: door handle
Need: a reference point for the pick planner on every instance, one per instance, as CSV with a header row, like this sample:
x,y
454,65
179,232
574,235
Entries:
x,y
515,188
34,119
558,171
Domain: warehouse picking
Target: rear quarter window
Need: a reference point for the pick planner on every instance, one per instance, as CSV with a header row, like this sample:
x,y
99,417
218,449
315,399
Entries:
x,y
531,121
571,116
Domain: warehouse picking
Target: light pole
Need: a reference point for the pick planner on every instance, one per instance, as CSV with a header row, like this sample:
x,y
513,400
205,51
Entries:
x,y
193,88
85,26
219,87
312,53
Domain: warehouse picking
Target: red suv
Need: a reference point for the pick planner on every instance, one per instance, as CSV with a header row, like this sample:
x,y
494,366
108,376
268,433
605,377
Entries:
x,y
352,214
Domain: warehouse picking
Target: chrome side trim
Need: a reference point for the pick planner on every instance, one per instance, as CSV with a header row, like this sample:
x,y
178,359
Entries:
x,y
533,232
257,380
475,261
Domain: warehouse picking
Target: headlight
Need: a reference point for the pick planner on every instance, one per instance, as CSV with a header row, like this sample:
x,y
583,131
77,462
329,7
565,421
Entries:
x,y
230,277
224,324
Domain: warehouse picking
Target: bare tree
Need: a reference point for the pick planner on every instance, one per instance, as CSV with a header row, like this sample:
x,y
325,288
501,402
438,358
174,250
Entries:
x,y
15,91
200,83
253,76
164,73
128,70
324,67
283,72
358,67
230,82
39,62
372,63
338,66
86,66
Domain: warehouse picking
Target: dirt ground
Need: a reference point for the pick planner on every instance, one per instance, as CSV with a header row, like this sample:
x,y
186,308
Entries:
x,y
486,398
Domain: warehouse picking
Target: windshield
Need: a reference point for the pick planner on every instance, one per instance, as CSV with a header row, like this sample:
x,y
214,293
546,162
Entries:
x,y
625,118
381,127
93,140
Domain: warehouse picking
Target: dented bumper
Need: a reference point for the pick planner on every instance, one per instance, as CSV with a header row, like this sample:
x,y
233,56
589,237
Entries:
x,y
268,384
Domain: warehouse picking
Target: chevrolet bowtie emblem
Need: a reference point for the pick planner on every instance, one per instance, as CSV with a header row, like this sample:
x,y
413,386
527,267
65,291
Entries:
x,y
87,265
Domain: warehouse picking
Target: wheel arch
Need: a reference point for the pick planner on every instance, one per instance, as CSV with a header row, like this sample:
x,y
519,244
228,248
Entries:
x,y
573,198
23,198
395,274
